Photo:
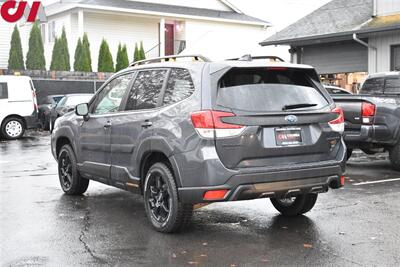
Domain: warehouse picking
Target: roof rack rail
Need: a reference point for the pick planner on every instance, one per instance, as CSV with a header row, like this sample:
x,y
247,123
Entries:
x,y
251,58
169,58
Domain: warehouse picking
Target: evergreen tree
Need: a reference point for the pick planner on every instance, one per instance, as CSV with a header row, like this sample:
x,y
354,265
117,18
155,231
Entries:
x,y
86,56
60,57
16,58
78,56
142,53
106,63
56,63
136,56
64,50
122,58
35,59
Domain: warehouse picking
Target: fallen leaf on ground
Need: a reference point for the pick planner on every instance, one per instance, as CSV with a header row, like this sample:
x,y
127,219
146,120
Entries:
x,y
307,245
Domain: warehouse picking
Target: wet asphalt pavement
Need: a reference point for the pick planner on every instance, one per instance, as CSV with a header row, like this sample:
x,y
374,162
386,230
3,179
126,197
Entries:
x,y
39,226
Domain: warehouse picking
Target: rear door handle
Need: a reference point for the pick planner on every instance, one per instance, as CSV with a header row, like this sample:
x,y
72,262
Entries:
x,y
107,125
147,124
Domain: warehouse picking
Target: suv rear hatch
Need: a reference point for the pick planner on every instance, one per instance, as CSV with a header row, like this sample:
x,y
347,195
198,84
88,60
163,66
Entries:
x,y
284,114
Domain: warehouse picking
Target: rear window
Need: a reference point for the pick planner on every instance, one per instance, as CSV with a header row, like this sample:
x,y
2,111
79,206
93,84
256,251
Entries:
x,y
3,91
266,90
392,86
373,86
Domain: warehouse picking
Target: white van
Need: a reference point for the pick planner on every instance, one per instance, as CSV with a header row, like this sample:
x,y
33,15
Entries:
x,y
18,106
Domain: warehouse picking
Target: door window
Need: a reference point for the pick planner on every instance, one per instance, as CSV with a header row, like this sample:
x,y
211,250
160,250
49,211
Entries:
x,y
3,91
111,96
146,90
179,86
392,86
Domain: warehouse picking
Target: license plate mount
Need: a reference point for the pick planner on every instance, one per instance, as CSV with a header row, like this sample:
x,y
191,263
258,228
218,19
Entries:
x,y
288,137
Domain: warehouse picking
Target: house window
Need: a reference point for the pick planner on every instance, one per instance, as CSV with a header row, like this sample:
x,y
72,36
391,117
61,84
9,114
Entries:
x,y
395,58
52,31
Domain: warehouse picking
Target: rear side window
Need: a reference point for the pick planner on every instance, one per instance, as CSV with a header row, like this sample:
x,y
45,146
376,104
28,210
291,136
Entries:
x,y
269,90
392,86
179,86
146,90
3,91
373,86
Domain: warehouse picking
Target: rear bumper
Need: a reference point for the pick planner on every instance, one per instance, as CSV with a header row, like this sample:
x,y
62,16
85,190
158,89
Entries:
x,y
367,134
246,186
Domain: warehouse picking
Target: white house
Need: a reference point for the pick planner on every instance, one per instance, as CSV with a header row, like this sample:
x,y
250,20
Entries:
x,y
214,28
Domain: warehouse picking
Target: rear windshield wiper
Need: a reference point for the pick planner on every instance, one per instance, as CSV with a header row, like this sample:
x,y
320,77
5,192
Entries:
x,y
296,106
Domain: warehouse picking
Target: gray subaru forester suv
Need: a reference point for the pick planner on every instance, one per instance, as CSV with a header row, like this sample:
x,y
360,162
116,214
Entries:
x,y
184,130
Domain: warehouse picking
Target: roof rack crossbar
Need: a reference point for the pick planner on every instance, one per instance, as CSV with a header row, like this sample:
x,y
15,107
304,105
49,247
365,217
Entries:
x,y
250,58
169,58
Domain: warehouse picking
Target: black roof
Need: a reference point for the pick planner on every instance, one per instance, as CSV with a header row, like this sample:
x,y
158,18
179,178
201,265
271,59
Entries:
x,y
337,17
164,8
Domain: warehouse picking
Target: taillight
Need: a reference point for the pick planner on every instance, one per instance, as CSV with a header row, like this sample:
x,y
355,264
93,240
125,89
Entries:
x,y
209,125
368,112
215,195
338,124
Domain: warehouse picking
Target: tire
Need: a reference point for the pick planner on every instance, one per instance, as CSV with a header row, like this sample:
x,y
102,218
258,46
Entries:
x,y
72,183
394,156
349,153
13,128
295,206
163,208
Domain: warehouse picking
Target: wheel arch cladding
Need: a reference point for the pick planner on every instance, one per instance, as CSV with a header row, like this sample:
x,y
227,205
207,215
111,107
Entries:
x,y
62,141
152,157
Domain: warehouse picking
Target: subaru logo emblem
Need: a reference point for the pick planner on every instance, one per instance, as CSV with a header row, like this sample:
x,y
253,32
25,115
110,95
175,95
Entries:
x,y
291,119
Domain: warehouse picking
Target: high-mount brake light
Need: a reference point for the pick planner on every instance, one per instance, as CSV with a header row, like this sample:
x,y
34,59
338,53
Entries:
x,y
338,124
277,68
368,112
209,124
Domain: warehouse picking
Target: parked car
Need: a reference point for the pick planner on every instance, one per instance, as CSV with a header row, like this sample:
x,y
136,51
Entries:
x,y
372,119
45,109
334,90
65,105
182,133
18,106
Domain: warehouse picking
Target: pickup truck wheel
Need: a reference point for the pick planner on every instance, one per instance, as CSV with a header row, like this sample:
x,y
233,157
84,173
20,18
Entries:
x,y
163,208
394,156
72,183
13,128
295,206
349,153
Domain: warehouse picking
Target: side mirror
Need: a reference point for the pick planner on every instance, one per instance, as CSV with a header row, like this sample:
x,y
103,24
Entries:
x,y
82,110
